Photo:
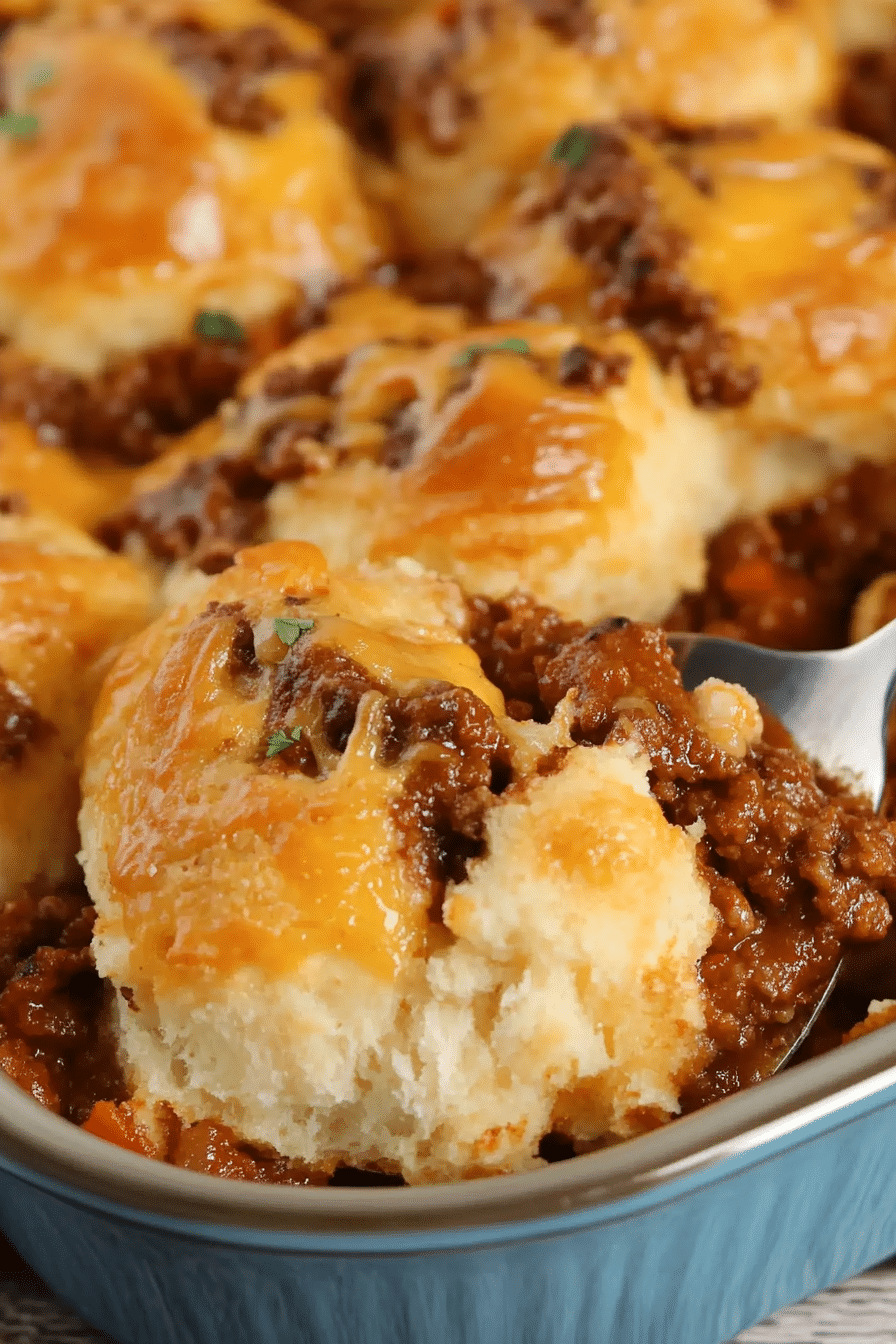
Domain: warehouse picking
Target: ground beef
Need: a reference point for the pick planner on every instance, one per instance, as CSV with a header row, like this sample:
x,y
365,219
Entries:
x,y
229,65
313,675
795,865
126,411
441,814
867,101
509,638
427,88
789,579
581,367
54,1038
613,222
447,277
570,20
211,510
214,506
20,723
369,98
289,381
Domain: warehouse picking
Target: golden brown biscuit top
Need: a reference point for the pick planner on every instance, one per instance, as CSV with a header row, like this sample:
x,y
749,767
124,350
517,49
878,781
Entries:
x,y
199,171
457,100
473,424
254,800
749,260
41,478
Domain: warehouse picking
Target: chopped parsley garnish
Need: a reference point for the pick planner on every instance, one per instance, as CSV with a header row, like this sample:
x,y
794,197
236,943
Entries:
x,y
38,75
19,125
572,147
279,741
214,325
512,344
290,628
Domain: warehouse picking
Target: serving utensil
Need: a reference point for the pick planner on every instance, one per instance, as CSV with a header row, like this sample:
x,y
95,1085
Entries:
x,y
835,704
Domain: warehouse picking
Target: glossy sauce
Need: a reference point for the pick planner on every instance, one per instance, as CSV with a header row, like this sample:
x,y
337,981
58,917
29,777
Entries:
x,y
510,446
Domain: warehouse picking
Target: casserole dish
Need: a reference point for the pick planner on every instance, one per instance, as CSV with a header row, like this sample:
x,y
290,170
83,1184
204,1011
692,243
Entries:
x,y
691,1233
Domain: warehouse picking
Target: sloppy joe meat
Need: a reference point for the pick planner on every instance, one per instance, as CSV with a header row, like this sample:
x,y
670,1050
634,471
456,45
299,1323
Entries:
x,y
795,864
789,579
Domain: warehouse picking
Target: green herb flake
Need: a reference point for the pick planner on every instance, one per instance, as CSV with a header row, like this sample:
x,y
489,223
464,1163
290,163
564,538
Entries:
x,y
279,741
214,325
39,75
19,125
572,147
512,345
290,628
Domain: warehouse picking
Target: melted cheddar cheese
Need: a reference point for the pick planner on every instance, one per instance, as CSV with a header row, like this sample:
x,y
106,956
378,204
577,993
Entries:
x,y
65,607
789,234
215,858
128,205
452,75
594,498
49,480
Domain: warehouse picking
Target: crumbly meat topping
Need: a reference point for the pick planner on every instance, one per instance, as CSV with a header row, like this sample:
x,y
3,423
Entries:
x,y
229,66
447,277
795,864
430,90
867,100
570,20
440,814
789,579
215,506
212,509
20,724
614,223
53,1037
126,411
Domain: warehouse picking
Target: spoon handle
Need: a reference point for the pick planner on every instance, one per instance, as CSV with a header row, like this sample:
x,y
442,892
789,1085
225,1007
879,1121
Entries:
x,y
835,704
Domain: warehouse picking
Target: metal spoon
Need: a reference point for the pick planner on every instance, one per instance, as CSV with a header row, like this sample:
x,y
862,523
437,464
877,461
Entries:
x,y
835,704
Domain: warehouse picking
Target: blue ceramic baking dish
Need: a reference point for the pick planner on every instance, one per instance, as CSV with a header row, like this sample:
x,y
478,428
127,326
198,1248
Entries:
x,y
684,1236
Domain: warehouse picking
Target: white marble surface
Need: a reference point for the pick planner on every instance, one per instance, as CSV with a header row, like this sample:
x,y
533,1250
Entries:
x,y
861,1311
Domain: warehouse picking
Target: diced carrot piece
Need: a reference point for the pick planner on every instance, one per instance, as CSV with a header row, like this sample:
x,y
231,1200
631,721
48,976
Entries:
x,y
751,576
116,1123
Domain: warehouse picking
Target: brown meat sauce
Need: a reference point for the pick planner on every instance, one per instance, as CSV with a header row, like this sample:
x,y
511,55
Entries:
x,y
790,579
867,97
53,1038
128,412
612,220
214,506
795,865
20,723
229,66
